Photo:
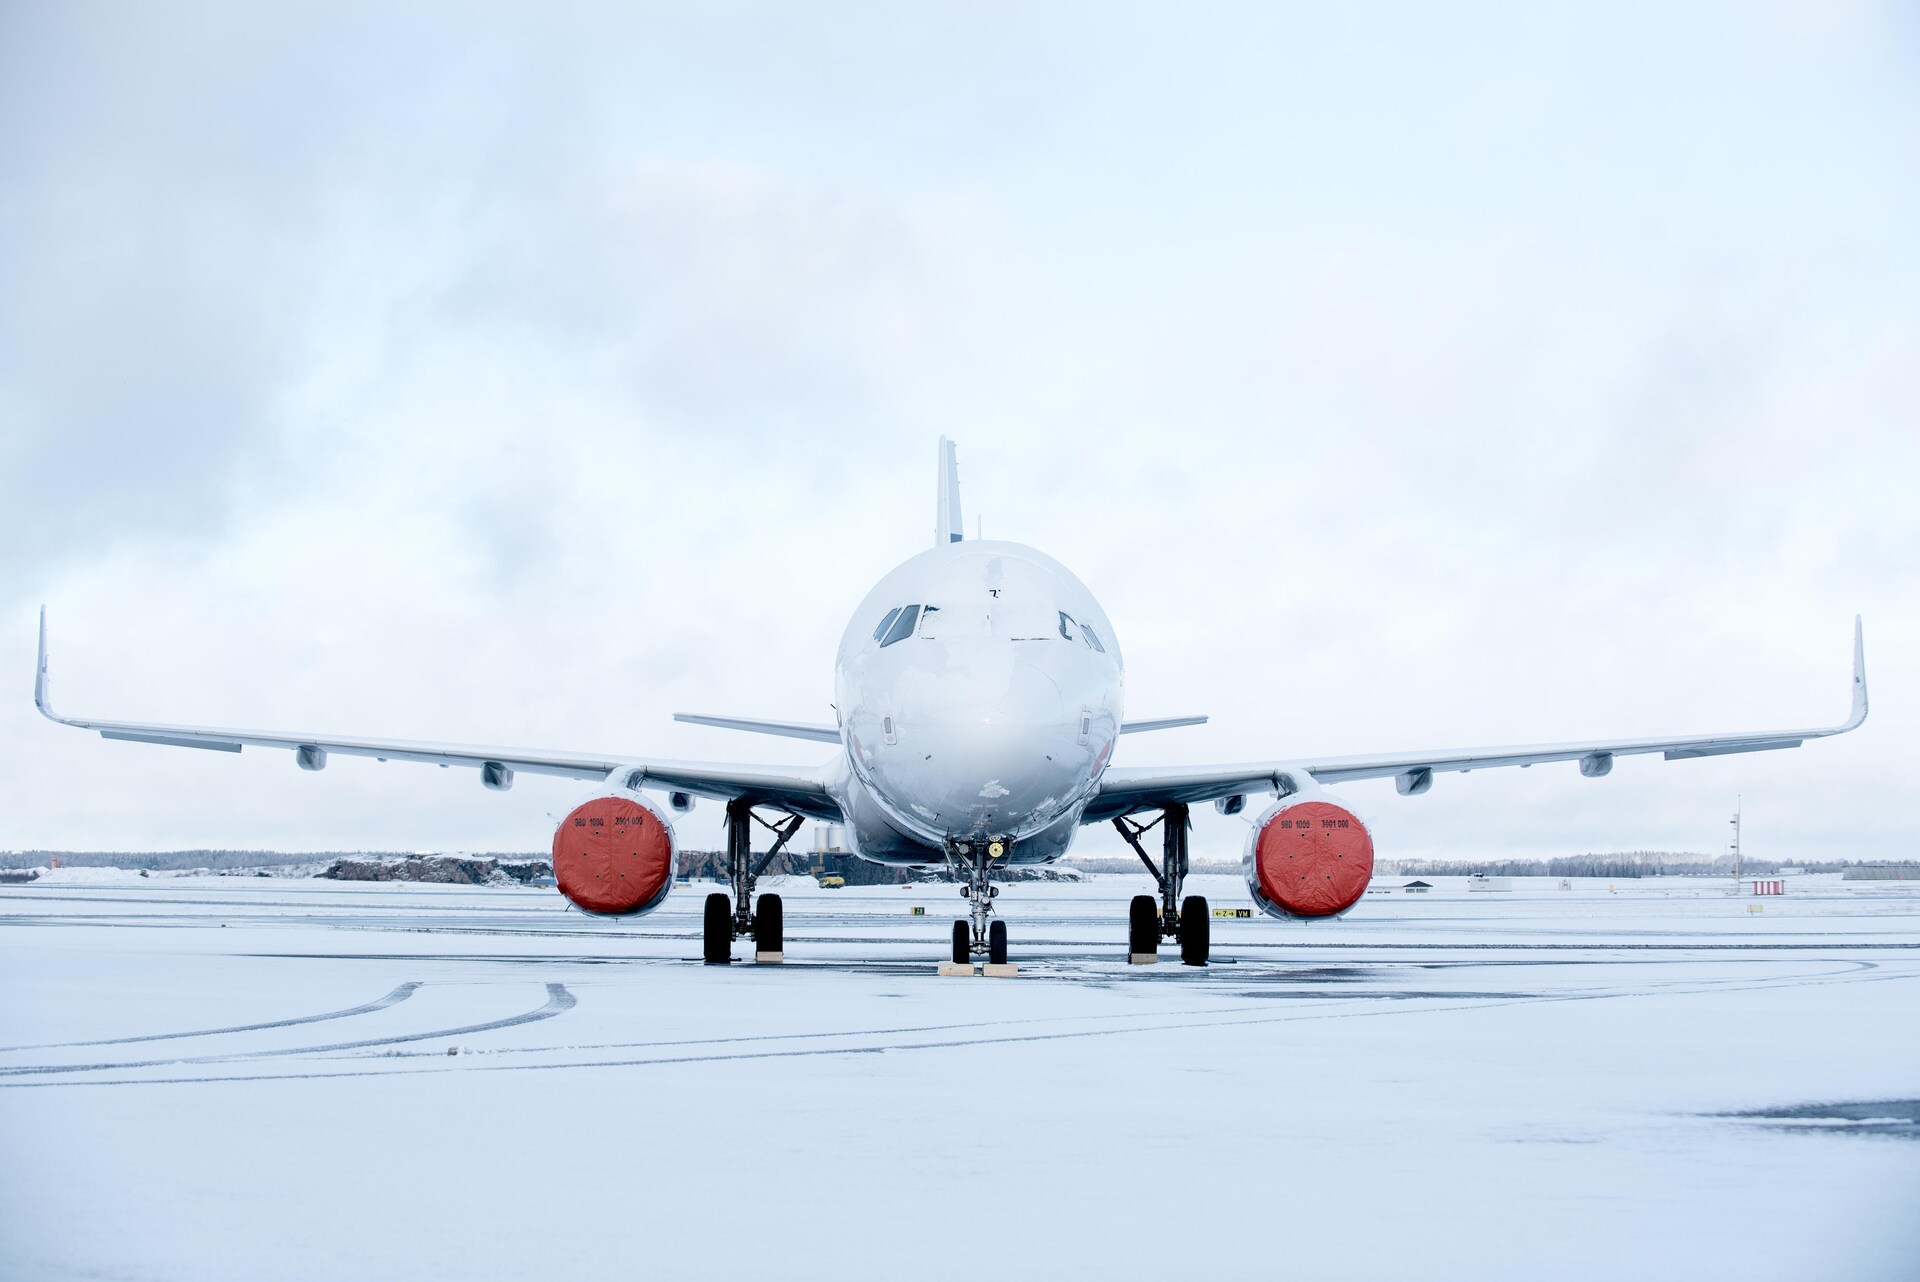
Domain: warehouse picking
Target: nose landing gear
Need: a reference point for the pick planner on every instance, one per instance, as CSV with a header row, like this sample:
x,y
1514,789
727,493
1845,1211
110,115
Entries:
x,y
727,920
1188,920
972,864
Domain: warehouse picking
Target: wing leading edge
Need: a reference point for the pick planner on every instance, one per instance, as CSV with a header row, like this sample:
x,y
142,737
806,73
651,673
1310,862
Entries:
x,y
831,734
1124,789
800,789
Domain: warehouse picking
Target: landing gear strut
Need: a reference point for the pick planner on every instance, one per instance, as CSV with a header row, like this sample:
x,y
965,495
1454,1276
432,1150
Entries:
x,y
1187,920
725,920
972,865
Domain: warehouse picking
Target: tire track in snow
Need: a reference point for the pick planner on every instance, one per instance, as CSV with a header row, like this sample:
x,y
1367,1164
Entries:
x,y
1184,1022
393,998
559,1001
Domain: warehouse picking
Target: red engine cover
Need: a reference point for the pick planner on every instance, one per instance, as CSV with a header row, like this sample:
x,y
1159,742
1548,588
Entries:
x,y
1311,859
613,855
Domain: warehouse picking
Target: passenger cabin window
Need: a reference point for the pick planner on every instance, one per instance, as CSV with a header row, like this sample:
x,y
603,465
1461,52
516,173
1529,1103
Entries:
x,y
902,626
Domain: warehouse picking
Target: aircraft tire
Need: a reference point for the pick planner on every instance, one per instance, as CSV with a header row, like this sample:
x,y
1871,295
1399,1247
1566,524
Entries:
x,y
1143,926
1196,930
769,925
716,947
997,943
962,943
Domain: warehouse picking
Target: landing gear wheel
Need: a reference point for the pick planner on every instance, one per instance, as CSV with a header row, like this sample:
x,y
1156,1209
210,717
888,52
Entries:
x,y
1196,930
997,944
717,940
962,943
769,925
731,917
1143,926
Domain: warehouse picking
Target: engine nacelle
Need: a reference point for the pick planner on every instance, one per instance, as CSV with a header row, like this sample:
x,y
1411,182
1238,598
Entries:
x,y
1308,858
613,855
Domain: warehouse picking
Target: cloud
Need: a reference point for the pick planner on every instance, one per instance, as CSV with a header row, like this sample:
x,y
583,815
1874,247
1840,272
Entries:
x,y
528,382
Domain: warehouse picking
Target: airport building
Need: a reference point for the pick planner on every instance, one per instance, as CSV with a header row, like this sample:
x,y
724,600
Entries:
x,y
1882,872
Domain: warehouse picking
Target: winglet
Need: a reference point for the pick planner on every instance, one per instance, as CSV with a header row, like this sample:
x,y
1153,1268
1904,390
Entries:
x,y
40,674
947,523
1859,711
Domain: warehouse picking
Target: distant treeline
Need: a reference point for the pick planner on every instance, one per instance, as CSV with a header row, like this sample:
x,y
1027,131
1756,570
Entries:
x,y
1627,864
1620,866
698,864
160,860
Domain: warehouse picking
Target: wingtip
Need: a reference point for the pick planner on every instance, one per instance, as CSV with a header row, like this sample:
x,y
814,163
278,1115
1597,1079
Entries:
x,y
1858,713
40,672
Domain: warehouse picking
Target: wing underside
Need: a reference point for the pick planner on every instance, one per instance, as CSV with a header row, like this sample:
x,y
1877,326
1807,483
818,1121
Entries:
x,y
1127,789
831,734
800,789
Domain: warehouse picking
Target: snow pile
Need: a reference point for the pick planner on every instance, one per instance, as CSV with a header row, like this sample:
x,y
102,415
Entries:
x,y
86,876
454,870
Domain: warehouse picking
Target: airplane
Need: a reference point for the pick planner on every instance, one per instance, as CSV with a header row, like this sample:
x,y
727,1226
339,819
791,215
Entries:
x,y
978,700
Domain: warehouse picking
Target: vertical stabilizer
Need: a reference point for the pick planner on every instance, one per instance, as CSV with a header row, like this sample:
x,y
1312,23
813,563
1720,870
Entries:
x,y
947,527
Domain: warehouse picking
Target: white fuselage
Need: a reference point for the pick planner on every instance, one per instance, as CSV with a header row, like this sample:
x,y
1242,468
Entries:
x,y
979,696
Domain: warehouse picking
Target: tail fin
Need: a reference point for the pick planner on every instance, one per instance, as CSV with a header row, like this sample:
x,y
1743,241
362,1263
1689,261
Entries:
x,y
947,527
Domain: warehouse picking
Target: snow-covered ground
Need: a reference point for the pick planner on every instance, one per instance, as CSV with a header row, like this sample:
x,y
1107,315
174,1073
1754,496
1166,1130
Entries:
x,y
213,1078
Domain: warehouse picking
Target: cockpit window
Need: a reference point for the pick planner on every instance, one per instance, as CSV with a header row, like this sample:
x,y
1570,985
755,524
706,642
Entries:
x,y
952,621
1020,621
902,626
1014,620
1070,626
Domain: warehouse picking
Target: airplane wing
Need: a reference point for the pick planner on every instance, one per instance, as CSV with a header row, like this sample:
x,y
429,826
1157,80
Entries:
x,y
800,789
781,729
1160,723
1127,789
831,734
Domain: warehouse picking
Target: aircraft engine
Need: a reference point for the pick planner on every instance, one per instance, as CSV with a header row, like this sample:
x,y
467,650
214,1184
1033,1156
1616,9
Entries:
x,y
1308,859
613,855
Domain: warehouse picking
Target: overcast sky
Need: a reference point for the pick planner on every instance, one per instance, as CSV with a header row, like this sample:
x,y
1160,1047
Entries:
x,y
1408,377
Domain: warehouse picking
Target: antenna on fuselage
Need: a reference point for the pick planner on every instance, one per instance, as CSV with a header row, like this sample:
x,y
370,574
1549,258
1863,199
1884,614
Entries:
x,y
948,527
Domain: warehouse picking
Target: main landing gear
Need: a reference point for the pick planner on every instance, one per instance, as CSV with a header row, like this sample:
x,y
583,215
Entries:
x,y
972,864
1187,920
727,920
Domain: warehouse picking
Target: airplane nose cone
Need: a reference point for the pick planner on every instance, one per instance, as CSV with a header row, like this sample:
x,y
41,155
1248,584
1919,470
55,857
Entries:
x,y
1003,783
996,754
